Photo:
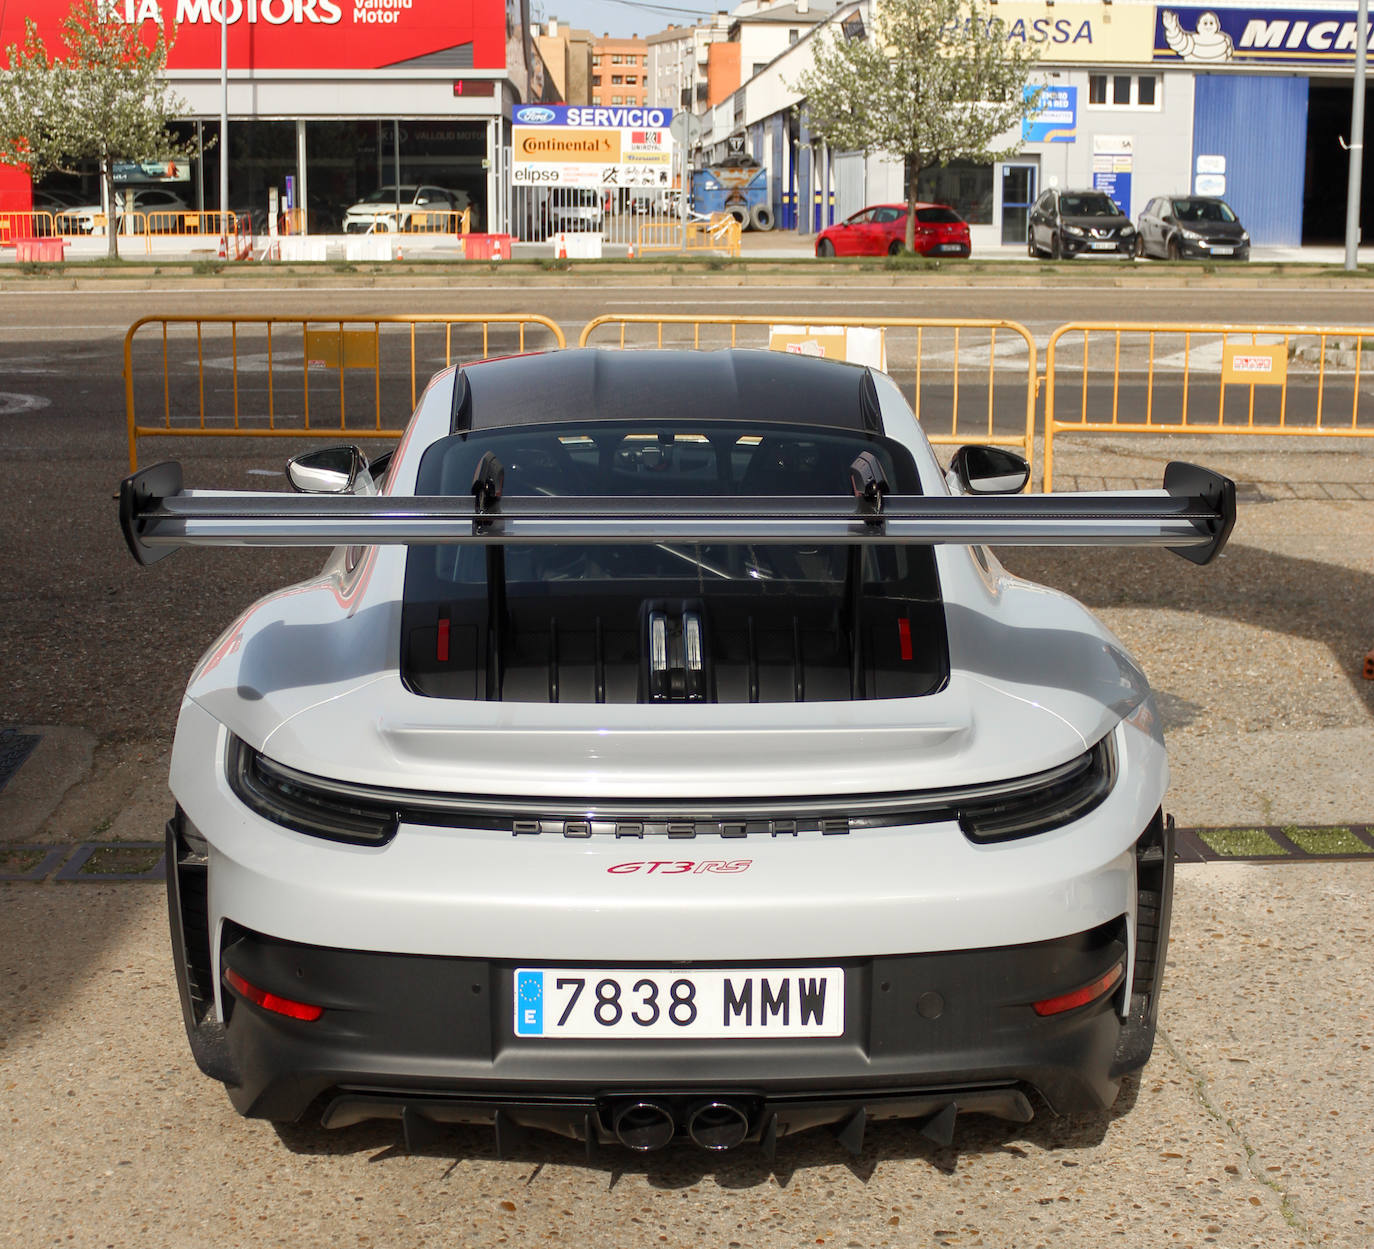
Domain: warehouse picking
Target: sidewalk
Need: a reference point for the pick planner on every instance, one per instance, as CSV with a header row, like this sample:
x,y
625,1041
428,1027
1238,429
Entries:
x,y
775,245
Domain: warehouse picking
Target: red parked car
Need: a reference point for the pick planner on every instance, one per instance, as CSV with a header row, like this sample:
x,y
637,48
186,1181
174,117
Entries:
x,y
880,230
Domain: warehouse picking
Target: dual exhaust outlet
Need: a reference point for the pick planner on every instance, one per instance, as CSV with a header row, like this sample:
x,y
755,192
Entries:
x,y
715,1124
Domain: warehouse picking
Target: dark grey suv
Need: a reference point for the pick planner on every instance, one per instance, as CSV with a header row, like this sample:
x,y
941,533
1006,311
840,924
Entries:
x,y
1178,227
1065,223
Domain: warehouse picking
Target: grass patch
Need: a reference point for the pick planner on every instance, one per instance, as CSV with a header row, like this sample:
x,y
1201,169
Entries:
x,y
18,862
1235,843
1326,840
207,268
115,860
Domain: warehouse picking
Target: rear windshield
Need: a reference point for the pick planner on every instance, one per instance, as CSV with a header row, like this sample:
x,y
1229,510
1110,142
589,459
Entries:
x,y
938,216
779,621
1088,206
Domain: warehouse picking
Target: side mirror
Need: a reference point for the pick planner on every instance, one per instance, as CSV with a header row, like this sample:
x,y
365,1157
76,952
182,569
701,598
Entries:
x,y
330,470
990,470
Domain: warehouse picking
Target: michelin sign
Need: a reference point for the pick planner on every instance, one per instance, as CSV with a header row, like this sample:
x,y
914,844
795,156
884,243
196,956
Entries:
x,y
1238,37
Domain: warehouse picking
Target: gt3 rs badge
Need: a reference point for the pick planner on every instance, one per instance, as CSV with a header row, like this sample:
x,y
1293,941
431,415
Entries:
x,y
680,867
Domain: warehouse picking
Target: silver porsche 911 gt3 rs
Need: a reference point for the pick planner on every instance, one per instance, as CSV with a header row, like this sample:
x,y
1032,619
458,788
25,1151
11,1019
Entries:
x,y
661,753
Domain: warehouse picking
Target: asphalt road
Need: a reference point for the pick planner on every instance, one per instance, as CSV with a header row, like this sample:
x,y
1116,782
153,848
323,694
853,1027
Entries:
x,y
1248,1128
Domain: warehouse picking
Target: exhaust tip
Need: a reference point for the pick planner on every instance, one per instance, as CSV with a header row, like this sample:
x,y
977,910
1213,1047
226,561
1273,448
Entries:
x,y
643,1126
717,1125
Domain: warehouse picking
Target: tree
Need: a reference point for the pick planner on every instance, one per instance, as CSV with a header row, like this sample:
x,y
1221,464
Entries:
x,y
99,97
935,81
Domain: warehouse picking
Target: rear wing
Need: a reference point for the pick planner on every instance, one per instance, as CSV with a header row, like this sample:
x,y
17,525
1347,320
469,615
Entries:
x,y
1192,515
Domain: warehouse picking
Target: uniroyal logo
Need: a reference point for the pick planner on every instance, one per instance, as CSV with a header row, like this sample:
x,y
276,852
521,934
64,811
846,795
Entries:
x,y
274,12
680,867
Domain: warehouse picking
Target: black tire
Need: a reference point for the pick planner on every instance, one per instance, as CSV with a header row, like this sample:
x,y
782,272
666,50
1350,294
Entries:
x,y
896,249
740,214
825,250
1031,250
1140,247
1056,247
761,218
1174,253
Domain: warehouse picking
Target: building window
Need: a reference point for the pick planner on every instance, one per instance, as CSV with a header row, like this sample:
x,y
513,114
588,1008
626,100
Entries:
x,y
615,99
616,59
964,186
759,67
631,80
1123,90
616,80
596,60
792,36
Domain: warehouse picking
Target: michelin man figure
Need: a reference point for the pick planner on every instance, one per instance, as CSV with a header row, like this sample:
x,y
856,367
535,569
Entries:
x,y
1208,43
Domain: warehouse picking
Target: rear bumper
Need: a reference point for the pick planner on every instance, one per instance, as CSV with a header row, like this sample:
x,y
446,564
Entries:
x,y
411,1035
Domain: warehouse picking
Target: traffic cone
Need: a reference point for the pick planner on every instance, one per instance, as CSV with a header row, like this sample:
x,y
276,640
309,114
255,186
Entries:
x,y
562,247
223,248
632,251
496,249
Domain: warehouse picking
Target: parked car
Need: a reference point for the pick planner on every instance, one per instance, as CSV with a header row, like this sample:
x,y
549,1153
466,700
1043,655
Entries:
x,y
91,218
665,757
1064,224
880,230
1180,227
390,208
576,209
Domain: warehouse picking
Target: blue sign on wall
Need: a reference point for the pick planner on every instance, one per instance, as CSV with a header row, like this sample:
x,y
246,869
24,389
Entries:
x,y
1117,184
1223,36
1055,119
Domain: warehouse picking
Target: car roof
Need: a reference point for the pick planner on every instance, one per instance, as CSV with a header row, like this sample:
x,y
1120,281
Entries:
x,y
653,387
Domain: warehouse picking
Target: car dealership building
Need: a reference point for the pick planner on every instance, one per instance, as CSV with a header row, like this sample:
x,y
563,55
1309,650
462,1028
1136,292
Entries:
x,y
1251,102
331,99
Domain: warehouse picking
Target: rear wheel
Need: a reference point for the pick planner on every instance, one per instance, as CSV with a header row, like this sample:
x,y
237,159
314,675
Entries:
x,y
825,249
895,249
1031,250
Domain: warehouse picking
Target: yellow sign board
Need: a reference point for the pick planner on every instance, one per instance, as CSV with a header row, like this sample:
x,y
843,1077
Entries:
x,y
856,344
1245,364
347,349
1068,34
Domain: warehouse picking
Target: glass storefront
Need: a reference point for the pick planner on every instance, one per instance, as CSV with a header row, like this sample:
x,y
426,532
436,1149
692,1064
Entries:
x,y
344,161
964,186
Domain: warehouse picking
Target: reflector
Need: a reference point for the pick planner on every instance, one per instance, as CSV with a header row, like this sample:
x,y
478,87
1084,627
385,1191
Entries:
x,y
1081,997
270,1001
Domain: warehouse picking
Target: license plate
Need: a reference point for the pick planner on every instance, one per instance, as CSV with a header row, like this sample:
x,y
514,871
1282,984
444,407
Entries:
x,y
1105,246
950,247
667,1002
1222,251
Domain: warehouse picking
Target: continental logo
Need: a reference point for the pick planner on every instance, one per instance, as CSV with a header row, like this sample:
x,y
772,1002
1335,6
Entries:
x,y
558,143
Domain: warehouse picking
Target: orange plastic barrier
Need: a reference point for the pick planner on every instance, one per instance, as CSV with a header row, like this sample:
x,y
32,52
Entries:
x,y
44,250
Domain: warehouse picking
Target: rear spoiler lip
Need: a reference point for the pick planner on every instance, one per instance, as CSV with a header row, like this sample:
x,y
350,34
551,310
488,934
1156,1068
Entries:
x,y
1193,515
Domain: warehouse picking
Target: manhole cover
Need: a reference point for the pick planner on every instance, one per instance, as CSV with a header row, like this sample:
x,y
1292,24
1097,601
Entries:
x,y
15,747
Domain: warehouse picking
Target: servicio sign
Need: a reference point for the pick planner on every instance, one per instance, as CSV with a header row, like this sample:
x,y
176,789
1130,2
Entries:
x,y
571,145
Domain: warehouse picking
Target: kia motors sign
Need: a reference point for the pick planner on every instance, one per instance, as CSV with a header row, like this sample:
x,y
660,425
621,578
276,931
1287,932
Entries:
x,y
298,34
570,145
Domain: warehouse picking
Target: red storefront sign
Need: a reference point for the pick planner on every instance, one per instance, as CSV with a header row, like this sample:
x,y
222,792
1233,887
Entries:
x,y
298,34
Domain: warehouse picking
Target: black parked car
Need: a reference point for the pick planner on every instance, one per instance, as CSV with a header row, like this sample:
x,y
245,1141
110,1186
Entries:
x,y
1180,227
1065,223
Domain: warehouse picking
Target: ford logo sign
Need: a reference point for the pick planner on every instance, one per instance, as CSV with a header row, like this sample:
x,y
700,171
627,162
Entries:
x,y
535,116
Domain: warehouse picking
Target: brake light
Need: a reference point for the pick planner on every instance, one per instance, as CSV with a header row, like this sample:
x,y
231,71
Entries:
x,y
1081,997
270,1001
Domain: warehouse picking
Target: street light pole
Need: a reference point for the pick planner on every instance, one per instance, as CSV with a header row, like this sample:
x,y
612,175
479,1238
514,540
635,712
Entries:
x,y
1352,200
224,127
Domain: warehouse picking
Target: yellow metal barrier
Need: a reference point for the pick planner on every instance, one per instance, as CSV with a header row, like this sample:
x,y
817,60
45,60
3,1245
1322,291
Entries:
x,y
251,377
419,220
183,222
1180,378
954,372
721,233
25,225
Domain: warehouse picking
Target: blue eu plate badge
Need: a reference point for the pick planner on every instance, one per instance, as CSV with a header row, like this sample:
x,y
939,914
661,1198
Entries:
x,y
529,1003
